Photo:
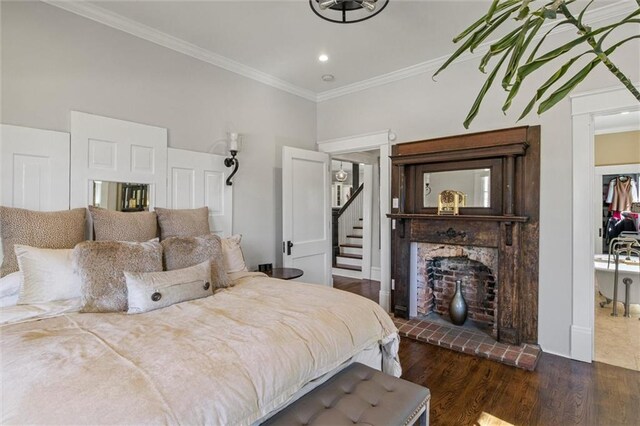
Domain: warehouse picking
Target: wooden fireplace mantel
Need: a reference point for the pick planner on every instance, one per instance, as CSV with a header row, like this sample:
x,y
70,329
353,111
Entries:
x,y
510,225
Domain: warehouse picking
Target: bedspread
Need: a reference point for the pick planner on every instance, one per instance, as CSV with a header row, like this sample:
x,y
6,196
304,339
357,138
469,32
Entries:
x,y
227,359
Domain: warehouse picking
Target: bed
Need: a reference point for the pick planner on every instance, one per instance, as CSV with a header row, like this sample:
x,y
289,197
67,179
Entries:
x,y
235,357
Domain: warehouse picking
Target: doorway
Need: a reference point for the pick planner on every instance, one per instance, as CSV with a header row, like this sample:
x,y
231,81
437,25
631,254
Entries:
x,y
585,107
617,212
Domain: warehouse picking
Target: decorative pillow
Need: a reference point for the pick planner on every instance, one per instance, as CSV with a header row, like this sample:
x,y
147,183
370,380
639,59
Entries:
x,y
55,230
101,266
9,289
147,291
110,225
181,253
183,223
47,275
233,257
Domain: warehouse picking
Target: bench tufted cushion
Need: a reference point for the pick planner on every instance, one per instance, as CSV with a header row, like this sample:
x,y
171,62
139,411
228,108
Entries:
x,y
357,395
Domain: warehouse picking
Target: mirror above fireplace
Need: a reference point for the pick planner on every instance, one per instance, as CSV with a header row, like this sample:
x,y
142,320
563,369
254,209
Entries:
x,y
475,184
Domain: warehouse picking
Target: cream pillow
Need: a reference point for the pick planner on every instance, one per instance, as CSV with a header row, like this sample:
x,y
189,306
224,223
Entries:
x,y
10,289
47,275
233,256
101,266
147,291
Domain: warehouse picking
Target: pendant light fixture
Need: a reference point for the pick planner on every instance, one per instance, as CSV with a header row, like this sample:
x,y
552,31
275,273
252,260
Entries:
x,y
341,175
347,11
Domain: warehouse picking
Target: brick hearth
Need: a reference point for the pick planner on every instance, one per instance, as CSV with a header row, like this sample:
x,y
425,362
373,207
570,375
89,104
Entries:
x,y
469,341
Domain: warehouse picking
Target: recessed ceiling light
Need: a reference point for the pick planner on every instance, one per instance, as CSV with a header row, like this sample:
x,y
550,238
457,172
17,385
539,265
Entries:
x,y
624,113
328,78
323,58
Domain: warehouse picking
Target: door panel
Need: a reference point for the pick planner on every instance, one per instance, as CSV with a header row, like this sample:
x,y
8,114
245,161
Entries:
x,y
306,213
197,179
35,168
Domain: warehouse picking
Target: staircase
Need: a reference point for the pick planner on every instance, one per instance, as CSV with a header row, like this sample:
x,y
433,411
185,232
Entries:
x,y
350,256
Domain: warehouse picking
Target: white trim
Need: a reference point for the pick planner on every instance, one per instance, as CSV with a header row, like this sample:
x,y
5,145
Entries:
x,y
119,22
621,129
363,142
617,169
618,9
367,220
375,273
583,108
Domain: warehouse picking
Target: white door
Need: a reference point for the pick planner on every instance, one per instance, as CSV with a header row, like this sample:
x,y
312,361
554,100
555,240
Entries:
x,y
107,149
34,168
306,213
197,179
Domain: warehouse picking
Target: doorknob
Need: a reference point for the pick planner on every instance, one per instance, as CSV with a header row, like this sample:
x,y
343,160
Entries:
x,y
289,245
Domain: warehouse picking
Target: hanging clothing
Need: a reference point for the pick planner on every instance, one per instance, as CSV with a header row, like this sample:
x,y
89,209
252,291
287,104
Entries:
x,y
622,193
625,225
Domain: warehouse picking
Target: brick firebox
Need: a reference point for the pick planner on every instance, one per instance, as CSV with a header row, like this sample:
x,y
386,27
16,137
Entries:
x,y
439,266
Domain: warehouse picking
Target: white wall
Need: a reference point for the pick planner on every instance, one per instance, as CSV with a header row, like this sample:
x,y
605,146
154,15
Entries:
x,y
54,61
419,108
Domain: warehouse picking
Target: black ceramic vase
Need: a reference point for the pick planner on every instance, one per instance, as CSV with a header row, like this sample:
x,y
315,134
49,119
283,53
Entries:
x,y
458,306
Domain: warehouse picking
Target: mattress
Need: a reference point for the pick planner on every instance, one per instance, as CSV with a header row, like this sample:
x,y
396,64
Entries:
x,y
232,358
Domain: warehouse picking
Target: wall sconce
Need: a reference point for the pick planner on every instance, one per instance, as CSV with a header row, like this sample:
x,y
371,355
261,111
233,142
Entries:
x,y
232,161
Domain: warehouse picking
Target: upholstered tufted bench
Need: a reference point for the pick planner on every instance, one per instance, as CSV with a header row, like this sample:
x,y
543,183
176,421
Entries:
x,y
359,395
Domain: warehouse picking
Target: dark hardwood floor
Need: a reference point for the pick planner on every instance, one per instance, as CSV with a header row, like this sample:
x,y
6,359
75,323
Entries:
x,y
367,288
466,390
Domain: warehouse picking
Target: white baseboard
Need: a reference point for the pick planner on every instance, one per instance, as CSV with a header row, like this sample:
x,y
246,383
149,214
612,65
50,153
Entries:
x,y
375,273
385,300
581,346
347,273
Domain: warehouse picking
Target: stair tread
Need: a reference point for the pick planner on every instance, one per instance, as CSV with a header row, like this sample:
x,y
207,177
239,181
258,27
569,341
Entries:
x,y
354,236
351,245
349,267
350,256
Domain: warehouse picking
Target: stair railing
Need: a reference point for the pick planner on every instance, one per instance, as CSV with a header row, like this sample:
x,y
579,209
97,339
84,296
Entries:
x,y
349,216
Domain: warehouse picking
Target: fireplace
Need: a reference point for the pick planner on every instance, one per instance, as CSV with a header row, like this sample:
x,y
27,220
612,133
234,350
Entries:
x,y
491,245
440,266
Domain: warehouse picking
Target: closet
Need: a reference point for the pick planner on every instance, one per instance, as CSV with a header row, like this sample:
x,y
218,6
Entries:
x,y
619,194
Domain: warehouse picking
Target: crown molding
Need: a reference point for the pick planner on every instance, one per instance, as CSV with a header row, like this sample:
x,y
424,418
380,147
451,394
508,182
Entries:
x,y
596,15
119,22
137,29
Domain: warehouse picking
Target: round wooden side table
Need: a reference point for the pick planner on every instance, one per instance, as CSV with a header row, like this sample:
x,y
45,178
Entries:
x,y
285,273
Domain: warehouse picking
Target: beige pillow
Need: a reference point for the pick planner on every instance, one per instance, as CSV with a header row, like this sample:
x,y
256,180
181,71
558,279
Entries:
x,y
47,275
183,223
101,266
147,291
54,230
110,225
233,257
181,253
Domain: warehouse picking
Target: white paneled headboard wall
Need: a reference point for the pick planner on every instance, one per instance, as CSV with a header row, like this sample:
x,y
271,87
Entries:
x,y
47,170
106,149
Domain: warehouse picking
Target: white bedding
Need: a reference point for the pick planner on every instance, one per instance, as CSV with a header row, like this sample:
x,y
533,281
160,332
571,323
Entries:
x,y
231,358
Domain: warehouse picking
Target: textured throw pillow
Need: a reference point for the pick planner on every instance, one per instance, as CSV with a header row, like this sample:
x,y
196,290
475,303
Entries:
x,y
101,266
233,257
181,253
56,230
147,291
110,225
47,275
183,223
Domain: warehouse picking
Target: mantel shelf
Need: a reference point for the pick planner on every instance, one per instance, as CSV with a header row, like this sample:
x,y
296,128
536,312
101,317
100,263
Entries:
x,y
487,218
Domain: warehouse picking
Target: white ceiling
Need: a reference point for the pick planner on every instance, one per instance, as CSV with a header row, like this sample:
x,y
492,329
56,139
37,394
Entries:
x,y
281,40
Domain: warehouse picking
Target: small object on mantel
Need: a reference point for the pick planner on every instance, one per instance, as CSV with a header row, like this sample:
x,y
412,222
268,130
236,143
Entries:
x,y
284,273
450,201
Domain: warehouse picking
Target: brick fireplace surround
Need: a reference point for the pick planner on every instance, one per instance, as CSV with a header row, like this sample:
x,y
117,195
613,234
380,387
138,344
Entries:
x,y
493,250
